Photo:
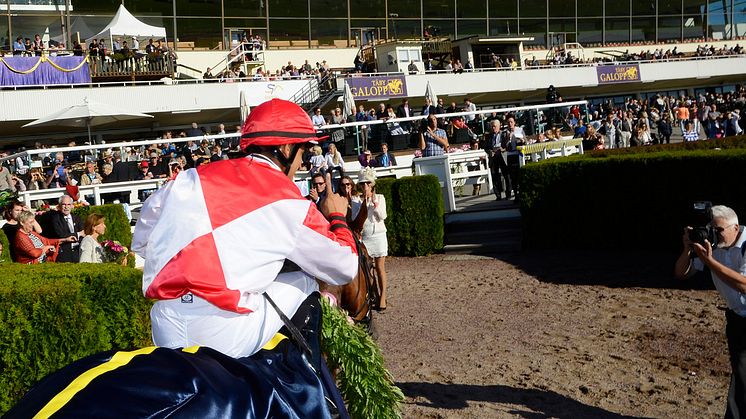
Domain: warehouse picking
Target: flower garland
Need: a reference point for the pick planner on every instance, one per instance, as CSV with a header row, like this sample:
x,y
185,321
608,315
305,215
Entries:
x,y
366,386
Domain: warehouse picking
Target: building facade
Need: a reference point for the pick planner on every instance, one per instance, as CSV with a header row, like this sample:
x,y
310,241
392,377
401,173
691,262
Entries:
x,y
216,24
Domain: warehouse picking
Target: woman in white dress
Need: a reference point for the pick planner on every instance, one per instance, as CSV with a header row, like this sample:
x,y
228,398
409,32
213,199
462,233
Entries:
x,y
90,249
374,228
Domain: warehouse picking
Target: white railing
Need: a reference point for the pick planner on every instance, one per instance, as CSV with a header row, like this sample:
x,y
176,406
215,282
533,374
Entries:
x,y
452,172
549,149
132,187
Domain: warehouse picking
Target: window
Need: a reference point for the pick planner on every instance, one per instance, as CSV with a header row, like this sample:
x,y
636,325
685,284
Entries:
x,y
503,27
590,8
368,8
288,8
326,31
669,7
436,9
501,9
561,8
643,7
694,7
694,27
328,8
617,8
617,30
471,27
536,28
643,29
197,8
204,32
669,28
471,9
247,8
533,8
288,29
589,31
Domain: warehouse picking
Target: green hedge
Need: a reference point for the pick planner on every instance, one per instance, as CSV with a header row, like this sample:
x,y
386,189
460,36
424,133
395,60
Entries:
x,y
117,225
414,208
5,254
54,314
626,200
721,143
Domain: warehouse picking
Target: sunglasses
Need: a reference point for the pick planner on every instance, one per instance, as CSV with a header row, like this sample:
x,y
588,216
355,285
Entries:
x,y
319,183
346,184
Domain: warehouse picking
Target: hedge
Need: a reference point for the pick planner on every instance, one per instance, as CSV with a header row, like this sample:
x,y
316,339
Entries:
x,y
414,208
54,314
117,226
5,254
623,200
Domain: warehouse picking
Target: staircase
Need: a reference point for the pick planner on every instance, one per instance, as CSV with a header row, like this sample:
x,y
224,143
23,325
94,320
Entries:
x,y
483,227
317,93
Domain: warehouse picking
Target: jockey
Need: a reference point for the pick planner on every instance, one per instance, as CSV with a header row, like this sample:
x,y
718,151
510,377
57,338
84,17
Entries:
x,y
217,237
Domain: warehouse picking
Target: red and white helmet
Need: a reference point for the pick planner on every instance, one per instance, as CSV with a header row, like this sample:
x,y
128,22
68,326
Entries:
x,y
278,122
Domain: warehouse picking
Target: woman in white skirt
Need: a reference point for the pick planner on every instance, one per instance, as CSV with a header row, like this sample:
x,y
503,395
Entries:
x,y
374,229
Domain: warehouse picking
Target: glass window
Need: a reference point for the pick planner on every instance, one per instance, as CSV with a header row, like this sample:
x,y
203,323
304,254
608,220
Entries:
x,y
691,7
368,8
198,8
205,33
326,31
411,9
694,27
441,27
435,9
91,6
288,29
589,31
536,28
719,21
471,8
617,30
471,27
617,7
643,29
412,29
248,8
248,23
328,8
503,27
561,8
500,9
590,8
740,20
532,8
562,25
669,28
288,8
669,7
643,8
161,7
28,26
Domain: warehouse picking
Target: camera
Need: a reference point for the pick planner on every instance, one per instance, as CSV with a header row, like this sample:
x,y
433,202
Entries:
x,y
700,220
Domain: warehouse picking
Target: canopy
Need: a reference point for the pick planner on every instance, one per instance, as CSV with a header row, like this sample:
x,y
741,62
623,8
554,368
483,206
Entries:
x,y
124,24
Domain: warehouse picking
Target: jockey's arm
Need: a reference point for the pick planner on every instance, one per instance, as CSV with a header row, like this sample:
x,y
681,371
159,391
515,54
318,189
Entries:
x,y
326,249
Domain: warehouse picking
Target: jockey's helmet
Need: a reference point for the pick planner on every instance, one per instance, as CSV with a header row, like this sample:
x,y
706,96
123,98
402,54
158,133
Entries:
x,y
278,122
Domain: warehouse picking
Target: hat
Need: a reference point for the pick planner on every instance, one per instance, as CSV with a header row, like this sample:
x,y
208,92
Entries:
x,y
278,122
107,154
143,164
367,175
153,155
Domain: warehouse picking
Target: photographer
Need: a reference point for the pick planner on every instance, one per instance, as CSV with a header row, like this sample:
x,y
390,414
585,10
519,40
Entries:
x,y
726,264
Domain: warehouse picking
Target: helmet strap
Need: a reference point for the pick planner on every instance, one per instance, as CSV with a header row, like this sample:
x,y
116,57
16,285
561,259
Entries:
x,y
287,161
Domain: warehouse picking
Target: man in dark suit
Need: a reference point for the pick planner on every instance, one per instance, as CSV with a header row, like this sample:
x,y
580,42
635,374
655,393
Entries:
x,y
64,224
385,159
495,145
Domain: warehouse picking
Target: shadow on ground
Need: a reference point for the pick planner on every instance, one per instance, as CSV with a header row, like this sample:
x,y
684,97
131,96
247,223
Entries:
x,y
538,404
612,268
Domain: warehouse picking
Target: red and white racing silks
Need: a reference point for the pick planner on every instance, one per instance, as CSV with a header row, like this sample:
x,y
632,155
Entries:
x,y
223,232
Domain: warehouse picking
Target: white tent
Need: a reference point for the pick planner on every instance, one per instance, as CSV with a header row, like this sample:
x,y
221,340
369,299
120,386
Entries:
x,y
124,24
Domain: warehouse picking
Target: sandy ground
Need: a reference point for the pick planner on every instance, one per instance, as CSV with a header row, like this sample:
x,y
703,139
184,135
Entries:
x,y
553,334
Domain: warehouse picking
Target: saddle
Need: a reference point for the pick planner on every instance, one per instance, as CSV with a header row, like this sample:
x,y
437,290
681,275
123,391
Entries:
x,y
280,380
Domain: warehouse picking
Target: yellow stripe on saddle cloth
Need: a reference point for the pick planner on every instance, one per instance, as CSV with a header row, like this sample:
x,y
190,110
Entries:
x,y
118,360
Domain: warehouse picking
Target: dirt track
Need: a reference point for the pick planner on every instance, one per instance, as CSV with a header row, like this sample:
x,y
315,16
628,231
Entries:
x,y
548,335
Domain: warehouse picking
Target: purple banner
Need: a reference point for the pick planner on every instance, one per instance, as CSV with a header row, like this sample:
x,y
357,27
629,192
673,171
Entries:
x,y
34,71
608,74
378,87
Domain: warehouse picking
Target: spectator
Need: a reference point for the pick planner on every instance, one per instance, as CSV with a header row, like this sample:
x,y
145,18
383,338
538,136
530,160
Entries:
x,y
374,228
11,213
91,250
31,247
6,180
334,158
366,159
67,226
433,141
412,68
689,133
385,159
318,162
318,119
18,49
317,192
